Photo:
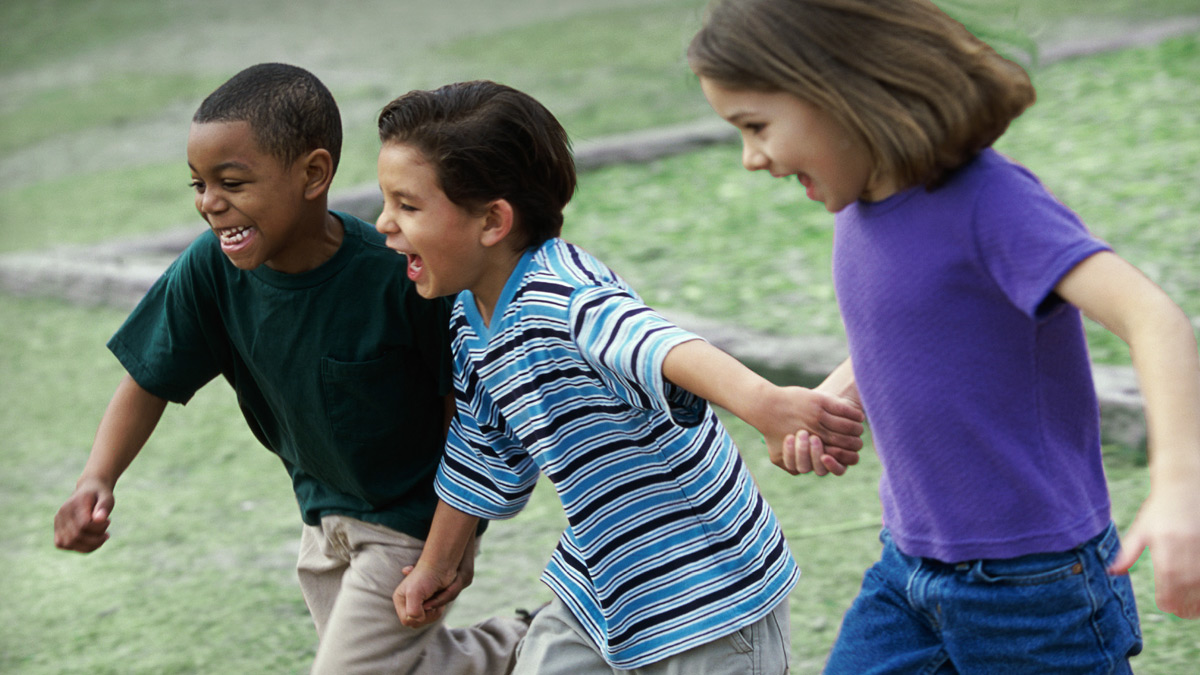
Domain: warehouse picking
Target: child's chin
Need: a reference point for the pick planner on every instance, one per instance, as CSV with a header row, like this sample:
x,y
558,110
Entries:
x,y
243,263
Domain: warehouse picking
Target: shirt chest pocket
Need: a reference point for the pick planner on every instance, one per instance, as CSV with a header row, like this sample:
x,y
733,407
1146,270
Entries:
x,y
364,398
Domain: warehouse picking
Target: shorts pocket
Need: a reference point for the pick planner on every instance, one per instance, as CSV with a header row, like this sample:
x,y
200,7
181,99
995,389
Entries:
x,y
743,639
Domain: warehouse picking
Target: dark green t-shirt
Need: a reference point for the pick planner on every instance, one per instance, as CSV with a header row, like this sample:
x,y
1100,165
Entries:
x,y
341,371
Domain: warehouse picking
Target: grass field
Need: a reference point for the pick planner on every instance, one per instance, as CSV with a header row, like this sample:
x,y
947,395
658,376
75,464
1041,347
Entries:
x,y
199,575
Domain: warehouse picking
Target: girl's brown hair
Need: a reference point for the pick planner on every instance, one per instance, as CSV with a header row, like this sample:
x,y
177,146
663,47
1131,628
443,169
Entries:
x,y
924,93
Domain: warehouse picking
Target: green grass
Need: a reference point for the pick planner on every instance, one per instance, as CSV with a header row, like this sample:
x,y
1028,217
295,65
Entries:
x,y
127,201
70,108
199,578
600,73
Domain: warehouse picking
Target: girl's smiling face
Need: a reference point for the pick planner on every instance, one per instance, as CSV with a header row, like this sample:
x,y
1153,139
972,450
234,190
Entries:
x,y
441,239
790,137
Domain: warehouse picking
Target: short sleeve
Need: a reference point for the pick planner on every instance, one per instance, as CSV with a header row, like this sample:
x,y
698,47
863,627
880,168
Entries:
x,y
626,342
477,478
1028,240
170,344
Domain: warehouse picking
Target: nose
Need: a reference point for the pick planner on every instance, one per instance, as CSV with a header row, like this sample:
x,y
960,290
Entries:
x,y
210,201
386,225
752,157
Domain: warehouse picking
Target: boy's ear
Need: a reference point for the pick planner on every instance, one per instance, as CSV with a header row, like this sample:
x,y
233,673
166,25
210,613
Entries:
x,y
498,223
318,173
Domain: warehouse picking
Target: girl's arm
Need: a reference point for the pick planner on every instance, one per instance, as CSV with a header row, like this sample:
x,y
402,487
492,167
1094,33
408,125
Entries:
x,y
1163,349
778,413
841,383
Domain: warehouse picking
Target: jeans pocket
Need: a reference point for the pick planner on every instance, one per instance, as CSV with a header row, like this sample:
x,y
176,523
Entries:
x,y
1104,549
1033,570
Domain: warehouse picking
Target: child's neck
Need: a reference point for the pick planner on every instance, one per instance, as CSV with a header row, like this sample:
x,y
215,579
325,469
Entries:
x,y
491,282
315,242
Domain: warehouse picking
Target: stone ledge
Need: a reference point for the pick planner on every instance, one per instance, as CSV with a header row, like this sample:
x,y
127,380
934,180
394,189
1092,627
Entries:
x,y
807,360
118,273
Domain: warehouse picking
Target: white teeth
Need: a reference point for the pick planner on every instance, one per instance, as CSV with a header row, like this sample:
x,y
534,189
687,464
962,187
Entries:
x,y
233,235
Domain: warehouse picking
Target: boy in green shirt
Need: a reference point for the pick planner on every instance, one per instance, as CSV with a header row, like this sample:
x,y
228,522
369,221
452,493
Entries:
x,y
340,368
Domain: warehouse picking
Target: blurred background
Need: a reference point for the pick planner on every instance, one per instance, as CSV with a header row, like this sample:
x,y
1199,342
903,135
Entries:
x,y
95,102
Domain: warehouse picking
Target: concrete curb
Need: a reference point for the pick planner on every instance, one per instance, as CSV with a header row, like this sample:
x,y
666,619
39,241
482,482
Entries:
x,y
118,272
807,360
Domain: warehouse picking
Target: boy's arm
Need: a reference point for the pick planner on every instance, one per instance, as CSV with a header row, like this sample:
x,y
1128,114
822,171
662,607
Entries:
x,y
1164,353
81,523
431,582
778,413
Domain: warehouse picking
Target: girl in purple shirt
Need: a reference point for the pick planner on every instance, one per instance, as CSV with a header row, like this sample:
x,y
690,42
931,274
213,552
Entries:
x,y
962,282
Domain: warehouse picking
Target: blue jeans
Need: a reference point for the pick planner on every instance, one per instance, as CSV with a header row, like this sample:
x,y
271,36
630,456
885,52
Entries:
x,y
1044,613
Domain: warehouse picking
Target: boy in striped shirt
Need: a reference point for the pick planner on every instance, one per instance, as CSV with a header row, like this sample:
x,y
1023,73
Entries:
x,y
671,560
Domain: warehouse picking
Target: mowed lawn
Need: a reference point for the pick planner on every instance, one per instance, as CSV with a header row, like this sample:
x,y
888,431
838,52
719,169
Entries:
x,y
198,577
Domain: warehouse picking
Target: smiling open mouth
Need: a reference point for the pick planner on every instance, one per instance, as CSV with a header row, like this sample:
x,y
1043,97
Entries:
x,y
233,235
415,265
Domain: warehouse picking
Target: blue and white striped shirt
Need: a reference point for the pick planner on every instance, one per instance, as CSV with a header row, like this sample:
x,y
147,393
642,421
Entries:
x,y
669,544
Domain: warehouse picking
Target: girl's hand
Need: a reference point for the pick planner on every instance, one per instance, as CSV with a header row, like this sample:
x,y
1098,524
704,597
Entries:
x,y
1168,525
810,431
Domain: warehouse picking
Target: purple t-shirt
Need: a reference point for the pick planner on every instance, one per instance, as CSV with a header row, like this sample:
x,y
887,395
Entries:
x,y
974,375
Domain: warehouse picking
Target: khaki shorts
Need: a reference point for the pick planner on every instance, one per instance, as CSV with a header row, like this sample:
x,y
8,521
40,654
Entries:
x,y
348,570
558,645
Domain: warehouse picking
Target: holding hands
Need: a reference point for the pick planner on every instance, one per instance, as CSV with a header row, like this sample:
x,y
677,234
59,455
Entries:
x,y
789,418
445,568
811,431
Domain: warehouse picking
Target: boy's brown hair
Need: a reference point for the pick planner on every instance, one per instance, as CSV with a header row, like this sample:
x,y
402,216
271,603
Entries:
x,y
487,141
923,92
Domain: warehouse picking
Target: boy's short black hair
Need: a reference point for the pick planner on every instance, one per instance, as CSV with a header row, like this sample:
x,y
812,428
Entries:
x,y
488,141
289,110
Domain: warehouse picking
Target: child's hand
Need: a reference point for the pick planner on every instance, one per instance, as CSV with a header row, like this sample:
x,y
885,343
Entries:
x,y
465,575
1168,524
813,431
804,453
81,523
412,598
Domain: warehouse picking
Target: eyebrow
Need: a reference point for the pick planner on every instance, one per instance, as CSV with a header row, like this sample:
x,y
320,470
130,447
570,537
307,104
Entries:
x,y
402,194
739,116
225,165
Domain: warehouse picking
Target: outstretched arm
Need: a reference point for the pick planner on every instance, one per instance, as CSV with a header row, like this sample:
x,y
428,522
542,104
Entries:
x,y
81,524
1163,348
778,413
